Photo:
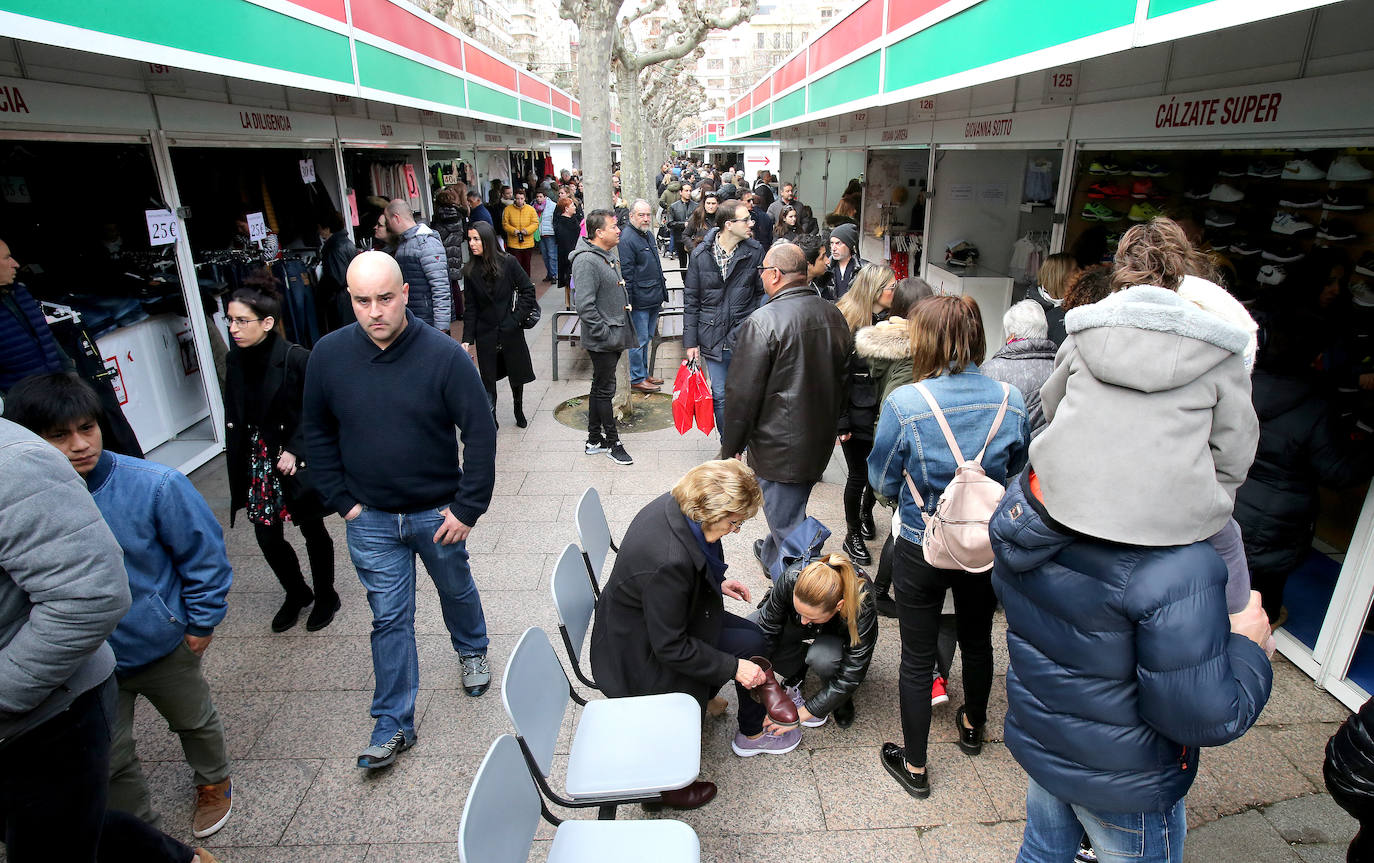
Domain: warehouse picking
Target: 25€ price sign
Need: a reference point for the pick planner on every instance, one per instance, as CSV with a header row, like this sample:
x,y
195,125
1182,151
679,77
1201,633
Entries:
x,y
162,227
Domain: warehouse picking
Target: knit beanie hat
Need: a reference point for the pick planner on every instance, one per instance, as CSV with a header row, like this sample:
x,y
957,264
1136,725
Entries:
x,y
849,235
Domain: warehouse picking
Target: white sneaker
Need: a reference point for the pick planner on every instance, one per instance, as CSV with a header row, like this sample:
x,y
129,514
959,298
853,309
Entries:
x,y
1271,274
1287,223
794,693
1347,169
1225,193
1302,169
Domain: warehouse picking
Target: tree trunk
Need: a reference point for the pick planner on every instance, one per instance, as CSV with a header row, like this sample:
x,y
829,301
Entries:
x,y
593,59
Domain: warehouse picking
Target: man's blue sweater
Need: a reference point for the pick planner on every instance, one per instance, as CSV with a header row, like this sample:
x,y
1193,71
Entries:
x,y
379,424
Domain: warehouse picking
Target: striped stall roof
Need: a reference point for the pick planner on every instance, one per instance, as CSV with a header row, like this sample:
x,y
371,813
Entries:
x,y
402,27
328,8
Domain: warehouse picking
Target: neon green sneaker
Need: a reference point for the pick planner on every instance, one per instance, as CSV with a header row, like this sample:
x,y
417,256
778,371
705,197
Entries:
x,y
1095,211
1144,212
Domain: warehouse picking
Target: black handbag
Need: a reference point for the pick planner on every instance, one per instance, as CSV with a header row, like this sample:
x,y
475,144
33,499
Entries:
x,y
530,318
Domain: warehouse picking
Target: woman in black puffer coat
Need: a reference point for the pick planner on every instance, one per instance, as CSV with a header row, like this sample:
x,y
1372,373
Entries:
x,y
1349,775
451,222
1300,449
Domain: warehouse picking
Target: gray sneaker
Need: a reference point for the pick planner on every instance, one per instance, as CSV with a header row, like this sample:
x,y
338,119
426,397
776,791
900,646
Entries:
x,y
476,673
382,755
771,744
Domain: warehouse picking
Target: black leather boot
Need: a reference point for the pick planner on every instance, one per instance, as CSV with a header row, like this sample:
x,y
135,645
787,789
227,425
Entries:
x,y
520,420
855,548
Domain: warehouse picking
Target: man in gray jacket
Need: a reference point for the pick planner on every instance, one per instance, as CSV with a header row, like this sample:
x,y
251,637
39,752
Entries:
x,y
62,591
604,307
424,265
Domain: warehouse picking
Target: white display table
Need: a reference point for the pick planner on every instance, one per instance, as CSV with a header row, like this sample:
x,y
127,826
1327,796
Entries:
x,y
992,290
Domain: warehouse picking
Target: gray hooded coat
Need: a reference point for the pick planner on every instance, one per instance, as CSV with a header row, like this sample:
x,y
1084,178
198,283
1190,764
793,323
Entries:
x,y
1151,429
600,295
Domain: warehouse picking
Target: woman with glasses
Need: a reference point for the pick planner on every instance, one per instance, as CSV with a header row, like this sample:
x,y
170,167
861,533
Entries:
x,y
265,442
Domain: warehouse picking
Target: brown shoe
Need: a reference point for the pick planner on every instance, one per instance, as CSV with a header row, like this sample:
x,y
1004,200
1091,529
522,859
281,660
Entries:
x,y
658,382
644,387
213,805
694,796
781,708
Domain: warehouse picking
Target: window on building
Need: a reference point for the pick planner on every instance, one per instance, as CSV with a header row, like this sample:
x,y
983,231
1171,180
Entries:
x,y
777,40
827,13
715,83
760,40
716,64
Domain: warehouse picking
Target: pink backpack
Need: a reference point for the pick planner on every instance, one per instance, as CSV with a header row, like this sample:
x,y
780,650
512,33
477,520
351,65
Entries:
x,y
956,536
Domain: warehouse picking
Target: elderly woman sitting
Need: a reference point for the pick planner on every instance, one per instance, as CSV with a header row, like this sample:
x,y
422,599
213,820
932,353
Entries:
x,y
661,624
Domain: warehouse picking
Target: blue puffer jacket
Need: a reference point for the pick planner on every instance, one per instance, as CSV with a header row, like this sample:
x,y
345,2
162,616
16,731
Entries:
x,y
424,265
26,344
1122,661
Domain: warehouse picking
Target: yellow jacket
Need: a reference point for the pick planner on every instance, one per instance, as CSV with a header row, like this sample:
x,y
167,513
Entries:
x,y
514,219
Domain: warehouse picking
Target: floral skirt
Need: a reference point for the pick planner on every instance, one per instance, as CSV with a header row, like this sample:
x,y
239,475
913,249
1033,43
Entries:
x,y
266,503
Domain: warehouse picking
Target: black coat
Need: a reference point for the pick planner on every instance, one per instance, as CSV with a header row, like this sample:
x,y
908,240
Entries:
x,y
1299,450
779,620
864,398
660,613
567,230
283,391
452,227
714,307
1349,766
490,321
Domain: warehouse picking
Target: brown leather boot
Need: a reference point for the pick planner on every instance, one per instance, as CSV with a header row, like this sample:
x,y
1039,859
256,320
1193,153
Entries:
x,y
781,709
693,796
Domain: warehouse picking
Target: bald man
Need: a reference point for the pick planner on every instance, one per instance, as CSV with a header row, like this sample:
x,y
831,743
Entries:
x,y
784,393
381,402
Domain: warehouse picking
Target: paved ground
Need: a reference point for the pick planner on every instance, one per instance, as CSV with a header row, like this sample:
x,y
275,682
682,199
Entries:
x,y
296,705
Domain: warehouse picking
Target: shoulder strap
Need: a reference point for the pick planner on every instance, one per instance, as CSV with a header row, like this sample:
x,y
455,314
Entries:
x,y
944,424
996,423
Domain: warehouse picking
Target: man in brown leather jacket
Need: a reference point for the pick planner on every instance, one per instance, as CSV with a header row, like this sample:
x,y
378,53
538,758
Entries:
x,y
784,394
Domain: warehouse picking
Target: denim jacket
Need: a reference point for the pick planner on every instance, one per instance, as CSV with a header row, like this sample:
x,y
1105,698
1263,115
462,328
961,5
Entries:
x,y
174,552
908,438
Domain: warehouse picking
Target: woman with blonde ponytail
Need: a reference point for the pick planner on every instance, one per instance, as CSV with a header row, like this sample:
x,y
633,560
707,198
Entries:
x,y
821,617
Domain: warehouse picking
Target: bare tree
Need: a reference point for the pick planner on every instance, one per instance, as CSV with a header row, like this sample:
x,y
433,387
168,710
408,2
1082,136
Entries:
x,y
596,24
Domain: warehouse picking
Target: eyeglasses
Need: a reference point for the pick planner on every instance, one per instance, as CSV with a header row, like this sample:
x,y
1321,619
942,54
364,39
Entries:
x,y
749,219
242,322
734,523
761,269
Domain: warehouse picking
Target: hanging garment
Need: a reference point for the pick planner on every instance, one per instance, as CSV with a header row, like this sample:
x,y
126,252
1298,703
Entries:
x,y
1039,186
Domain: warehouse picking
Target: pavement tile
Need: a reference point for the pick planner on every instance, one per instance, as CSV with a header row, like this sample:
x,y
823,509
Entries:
x,y
266,793
1311,820
1248,772
1321,853
956,793
324,725
973,843
1303,744
1003,779
510,570
413,852
297,854
245,715
1244,837
889,846
254,664
1295,699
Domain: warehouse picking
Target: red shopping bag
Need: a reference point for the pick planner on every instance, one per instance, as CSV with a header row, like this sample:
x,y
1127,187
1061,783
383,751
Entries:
x,y
683,398
702,404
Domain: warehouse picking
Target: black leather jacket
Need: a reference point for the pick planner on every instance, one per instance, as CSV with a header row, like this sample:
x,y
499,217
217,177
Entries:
x,y
778,618
787,386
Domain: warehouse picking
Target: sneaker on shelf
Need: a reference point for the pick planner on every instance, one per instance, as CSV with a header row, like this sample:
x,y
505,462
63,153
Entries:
x,y
1271,274
213,805
1344,200
1265,169
1146,189
1106,189
1365,266
1218,219
1302,169
794,693
1198,191
476,673
766,744
938,695
1363,292
595,447
1347,169
1149,168
1232,169
618,455
1225,194
1144,212
1096,212
1283,252
1301,199
1244,248
383,754
1287,223
1105,168
1337,231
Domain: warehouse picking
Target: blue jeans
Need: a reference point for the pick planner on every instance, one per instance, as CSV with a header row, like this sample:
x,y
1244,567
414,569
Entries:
x,y
716,370
1053,829
548,249
646,324
784,508
383,546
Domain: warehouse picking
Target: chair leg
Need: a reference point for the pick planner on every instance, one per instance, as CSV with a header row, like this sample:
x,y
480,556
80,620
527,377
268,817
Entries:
x,y
605,813
553,333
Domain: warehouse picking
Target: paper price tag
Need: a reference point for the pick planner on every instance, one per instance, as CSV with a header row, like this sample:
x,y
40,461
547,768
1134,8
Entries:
x,y
257,228
307,170
162,227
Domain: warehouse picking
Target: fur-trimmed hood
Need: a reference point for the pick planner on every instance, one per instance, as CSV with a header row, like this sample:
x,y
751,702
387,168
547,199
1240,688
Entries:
x,y
1151,339
886,340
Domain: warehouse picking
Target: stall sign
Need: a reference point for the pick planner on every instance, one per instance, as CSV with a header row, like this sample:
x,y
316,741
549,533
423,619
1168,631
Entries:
x,y
15,190
1061,85
307,170
1049,124
381,131
257,228
190,115
36,103
162,227
412,184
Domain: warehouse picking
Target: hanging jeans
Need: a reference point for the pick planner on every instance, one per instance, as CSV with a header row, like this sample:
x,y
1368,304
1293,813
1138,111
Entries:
x,y
302,324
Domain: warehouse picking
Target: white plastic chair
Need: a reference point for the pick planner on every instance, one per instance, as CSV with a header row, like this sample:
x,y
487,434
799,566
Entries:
x,y
575,603
594,535
624,750
503,809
